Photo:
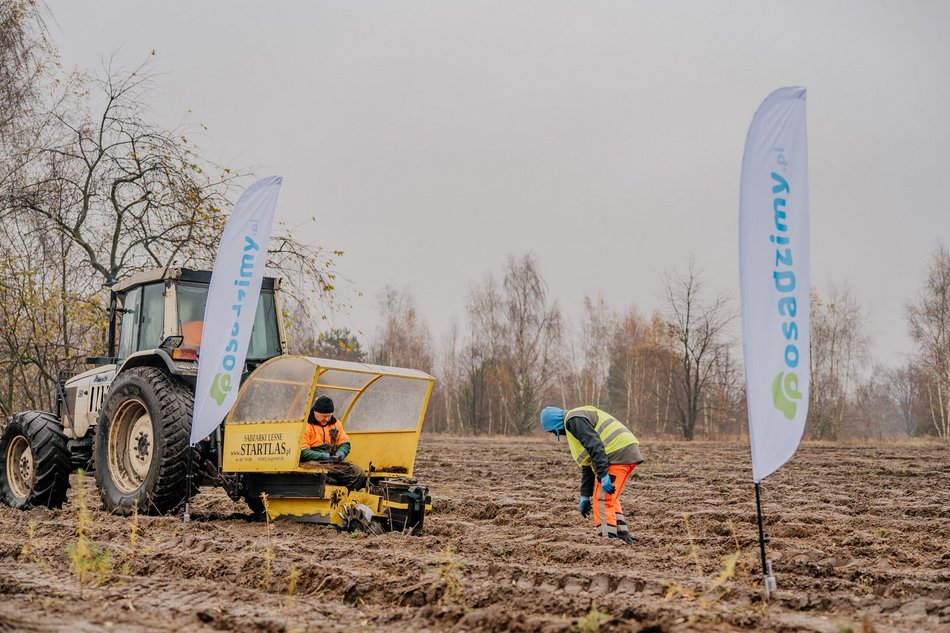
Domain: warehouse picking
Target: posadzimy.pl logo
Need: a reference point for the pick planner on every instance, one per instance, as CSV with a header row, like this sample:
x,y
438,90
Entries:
x,y
221,383
785,392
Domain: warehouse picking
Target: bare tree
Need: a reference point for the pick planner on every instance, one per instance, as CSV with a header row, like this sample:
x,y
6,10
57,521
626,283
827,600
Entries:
x,y
24,51
472,402
95,195
511,357
486,391
404,338
876,412
902,388
446,398
724,405
592,359
45,316
838,346
128,194
534,335
638,376
92,192
626,371
697,327
928,320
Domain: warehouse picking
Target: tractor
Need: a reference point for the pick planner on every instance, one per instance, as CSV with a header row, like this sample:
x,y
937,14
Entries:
x,y
129,420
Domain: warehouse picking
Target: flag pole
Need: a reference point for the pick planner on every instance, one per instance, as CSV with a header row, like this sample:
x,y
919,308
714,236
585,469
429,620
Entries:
x,y
768,580
774,282
236,280
188,475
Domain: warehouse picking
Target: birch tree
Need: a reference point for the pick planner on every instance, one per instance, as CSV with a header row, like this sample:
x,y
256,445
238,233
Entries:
x,y
480,398
534,328
928,321
838,348
593,356
404,339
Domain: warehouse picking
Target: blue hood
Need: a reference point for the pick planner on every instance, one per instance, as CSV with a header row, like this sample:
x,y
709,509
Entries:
x,y
552,420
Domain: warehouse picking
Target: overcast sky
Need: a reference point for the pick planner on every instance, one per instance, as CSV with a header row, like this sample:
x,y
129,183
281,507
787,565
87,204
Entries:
x,y
431,140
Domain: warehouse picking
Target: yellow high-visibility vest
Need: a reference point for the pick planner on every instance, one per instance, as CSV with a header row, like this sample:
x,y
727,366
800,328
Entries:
x,y
613,434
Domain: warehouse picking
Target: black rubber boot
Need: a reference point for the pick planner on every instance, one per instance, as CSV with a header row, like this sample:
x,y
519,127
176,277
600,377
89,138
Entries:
x,y
626,538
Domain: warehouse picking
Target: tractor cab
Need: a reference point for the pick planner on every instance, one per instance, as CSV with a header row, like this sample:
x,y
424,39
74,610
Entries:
x,y
156,319
381,410
163,309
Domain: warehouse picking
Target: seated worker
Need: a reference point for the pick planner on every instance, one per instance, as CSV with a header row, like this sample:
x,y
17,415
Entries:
x,y
325,441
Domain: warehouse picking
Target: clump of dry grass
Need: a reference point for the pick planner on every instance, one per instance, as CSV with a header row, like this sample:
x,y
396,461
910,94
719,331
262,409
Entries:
x,y
28,547
293,574
268,545
89,561
133,539
591,622
718,587
449,577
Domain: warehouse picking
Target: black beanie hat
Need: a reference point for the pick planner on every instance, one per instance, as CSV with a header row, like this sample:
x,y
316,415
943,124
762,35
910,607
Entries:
x,y
323,405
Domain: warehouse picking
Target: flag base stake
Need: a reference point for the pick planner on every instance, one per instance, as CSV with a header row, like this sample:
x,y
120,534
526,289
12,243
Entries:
x,y
768,580
186,519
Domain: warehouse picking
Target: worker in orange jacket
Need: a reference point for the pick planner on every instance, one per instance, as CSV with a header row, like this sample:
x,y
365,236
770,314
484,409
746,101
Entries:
x,y
323,438
325,441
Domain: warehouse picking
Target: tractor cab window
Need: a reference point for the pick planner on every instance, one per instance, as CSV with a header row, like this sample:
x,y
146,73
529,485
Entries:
x,y
130,322
142,319
191,313
265,341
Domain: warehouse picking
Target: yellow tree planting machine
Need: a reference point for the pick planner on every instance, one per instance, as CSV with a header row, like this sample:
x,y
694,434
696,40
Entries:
x,y
381,409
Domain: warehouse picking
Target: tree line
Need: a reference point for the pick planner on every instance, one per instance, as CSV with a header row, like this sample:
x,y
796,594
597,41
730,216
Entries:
x,y
675,372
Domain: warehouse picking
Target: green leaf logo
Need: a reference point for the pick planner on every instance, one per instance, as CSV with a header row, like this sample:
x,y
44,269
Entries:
x,y
220,386
785,392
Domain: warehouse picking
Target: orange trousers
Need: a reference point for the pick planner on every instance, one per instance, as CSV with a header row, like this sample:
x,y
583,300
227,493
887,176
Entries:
x,y
608,506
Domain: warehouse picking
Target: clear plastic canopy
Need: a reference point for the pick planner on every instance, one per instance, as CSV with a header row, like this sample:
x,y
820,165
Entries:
x,y
366,398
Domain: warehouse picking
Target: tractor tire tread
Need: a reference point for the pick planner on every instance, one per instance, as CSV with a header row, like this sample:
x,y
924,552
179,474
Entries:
x,y
175,400
51,460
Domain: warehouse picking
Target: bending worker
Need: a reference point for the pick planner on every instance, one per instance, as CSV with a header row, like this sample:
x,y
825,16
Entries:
x,y
324,440
607,453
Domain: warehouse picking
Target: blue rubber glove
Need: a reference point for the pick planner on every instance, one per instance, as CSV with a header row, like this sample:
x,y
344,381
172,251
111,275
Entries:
x,y
339,457
585,507
607,484
324,456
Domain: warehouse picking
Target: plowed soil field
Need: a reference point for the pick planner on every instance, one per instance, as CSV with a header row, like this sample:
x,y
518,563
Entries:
x,y
860,541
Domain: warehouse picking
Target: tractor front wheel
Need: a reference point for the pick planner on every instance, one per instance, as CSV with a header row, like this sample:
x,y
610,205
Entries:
x,y
34,461
141,444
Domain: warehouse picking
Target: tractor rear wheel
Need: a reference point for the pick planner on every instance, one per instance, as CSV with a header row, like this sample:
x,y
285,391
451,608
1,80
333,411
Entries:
x,y
34,461
141,446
